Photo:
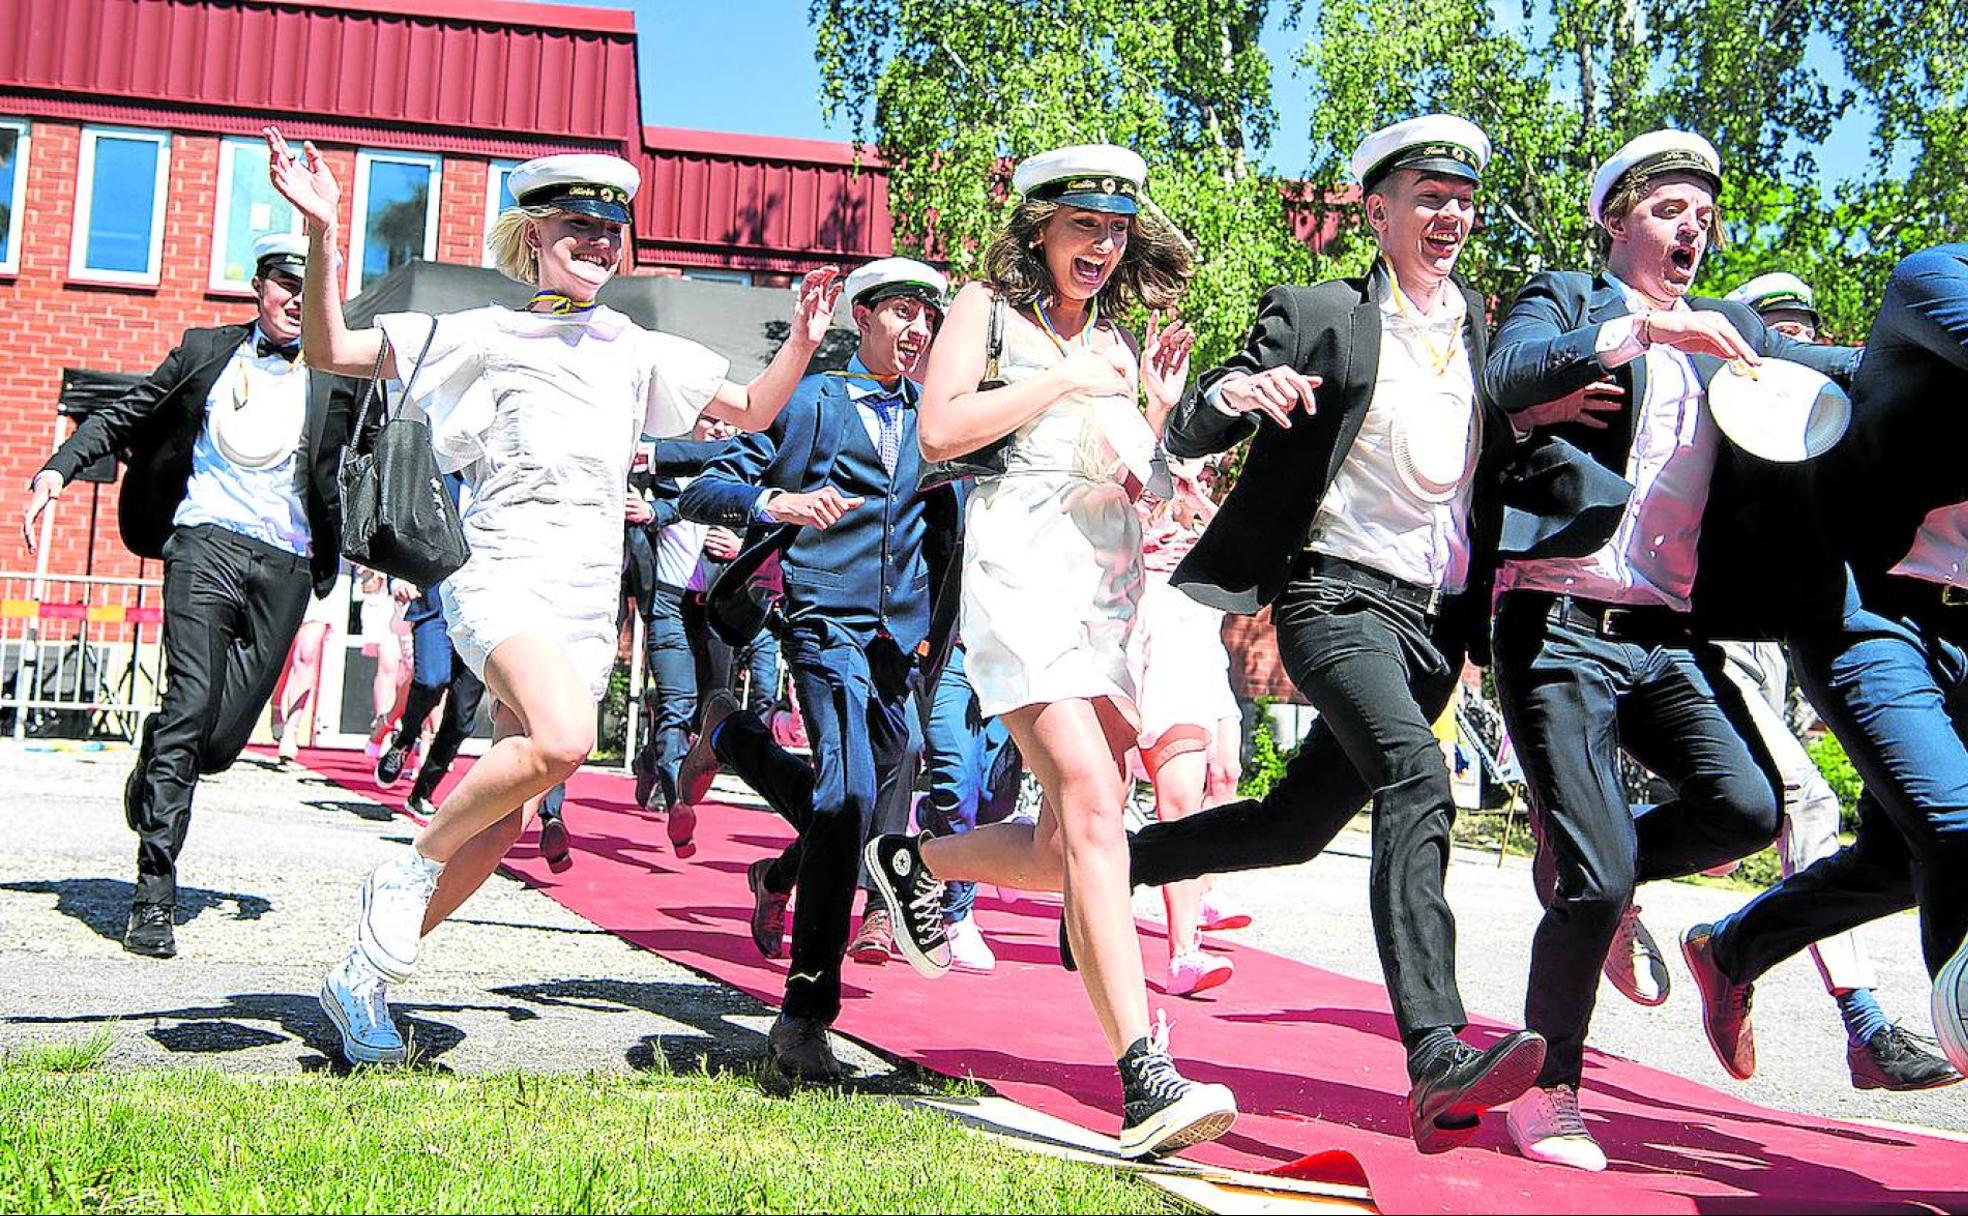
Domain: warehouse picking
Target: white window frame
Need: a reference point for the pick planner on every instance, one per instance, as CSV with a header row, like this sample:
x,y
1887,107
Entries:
x,y
17,205
85,185
494,170
222,209
359,213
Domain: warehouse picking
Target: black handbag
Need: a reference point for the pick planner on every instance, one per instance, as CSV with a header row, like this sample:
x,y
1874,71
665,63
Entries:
x,y
989,460
396,515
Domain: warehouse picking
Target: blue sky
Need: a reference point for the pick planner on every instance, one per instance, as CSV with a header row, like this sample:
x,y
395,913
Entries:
x,y
694,52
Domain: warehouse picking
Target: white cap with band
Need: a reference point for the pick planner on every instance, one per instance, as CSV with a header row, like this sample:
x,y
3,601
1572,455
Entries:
x,y
1432,143
587,183
888,278
1095,177
1651,155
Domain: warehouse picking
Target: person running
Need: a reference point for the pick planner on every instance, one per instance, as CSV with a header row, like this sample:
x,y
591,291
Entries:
x,y
542,408
1052,577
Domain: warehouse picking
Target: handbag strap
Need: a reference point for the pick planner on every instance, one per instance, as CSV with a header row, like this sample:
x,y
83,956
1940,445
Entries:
x,y
994,338
374,388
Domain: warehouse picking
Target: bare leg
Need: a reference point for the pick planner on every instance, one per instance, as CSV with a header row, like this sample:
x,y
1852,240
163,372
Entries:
x,y
1179,783
302,681
549,702
1076,748
472,864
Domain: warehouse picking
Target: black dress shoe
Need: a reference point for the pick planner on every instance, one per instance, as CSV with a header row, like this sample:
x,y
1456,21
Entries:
x,y
1447,1102
149,932
800,1050
1066,959
1894,1060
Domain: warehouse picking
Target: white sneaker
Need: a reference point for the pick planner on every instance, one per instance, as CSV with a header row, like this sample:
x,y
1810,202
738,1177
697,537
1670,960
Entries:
x,y
1950,1008
968,949
356,1000
1634,963
391,924
1193,971
1546,1126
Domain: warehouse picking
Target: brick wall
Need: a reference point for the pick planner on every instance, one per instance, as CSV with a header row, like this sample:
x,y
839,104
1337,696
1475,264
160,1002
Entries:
x,y
48,323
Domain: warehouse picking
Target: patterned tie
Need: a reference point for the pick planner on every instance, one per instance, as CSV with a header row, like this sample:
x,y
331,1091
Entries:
x,y
888,412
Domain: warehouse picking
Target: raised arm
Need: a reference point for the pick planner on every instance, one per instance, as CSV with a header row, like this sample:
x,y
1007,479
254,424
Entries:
x,y
753,406
956,418
1261,380
310,186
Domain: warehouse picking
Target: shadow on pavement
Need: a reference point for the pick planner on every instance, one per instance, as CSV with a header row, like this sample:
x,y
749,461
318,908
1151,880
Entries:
x,y
103,904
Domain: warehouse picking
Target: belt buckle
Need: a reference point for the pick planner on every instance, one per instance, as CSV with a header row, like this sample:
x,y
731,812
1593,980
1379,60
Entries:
x,y
1432,603
1609,622
1953,596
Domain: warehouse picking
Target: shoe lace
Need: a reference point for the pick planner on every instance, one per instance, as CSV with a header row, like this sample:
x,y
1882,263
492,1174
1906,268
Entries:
x,y
371,1003
1908,1040
1565,1119
925,907
1155,1076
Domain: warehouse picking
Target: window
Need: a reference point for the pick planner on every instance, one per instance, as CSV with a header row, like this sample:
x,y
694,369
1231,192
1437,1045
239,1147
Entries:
x,y
498,196
719,276
13,191
395,214
119,205
249,208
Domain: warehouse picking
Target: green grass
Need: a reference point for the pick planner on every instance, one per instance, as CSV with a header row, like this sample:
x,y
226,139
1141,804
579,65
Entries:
x,y
72,1140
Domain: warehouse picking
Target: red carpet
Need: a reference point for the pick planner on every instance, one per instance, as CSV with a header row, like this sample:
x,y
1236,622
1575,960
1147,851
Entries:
x,y
1312,1056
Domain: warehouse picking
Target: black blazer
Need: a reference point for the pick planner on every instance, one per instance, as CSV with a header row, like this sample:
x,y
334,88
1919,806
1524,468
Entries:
x,y
154,426
1545,350
1332,329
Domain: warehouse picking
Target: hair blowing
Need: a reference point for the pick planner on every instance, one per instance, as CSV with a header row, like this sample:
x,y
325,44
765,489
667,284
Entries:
x,y
1154,272
514,255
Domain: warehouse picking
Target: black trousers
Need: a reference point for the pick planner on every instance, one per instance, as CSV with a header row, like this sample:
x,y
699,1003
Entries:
x,y
1571,701
1379,677
858,727
231,609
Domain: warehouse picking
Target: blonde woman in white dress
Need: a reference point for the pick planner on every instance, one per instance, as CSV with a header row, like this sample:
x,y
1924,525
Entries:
x,y
541,408
1051,577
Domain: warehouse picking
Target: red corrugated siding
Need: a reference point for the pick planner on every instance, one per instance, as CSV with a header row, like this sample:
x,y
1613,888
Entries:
x,y
435,68
758,203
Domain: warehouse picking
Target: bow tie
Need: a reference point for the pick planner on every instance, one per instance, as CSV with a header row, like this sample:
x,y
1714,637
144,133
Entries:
x,y
267,346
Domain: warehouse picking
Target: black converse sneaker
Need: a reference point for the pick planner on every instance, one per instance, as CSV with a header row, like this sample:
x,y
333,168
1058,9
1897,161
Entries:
x,y
915,900
1161,1110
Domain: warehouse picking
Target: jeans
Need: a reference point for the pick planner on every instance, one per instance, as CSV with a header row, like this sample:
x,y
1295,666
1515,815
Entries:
x,y
437,673
973,771
1895,692
859,732
670,699
1571,701
1379,676
232,606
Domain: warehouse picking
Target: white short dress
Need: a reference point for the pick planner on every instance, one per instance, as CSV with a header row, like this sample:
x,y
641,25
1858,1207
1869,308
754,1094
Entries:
x,y
1181,668
542,414
1052,552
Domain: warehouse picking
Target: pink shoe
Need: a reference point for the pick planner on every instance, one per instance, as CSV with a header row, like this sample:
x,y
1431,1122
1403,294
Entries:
x,y
1218,916
1192,972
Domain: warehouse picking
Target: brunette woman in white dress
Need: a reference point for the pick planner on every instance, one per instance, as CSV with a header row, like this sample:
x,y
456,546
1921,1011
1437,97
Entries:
x,y
541,409
1051,577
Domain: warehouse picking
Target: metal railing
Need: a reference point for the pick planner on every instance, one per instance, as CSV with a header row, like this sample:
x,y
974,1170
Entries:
x,y
80,657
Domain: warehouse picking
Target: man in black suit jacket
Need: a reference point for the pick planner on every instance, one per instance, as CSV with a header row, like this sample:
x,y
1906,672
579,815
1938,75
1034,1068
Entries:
x,y
1600,652
232,447
1370,525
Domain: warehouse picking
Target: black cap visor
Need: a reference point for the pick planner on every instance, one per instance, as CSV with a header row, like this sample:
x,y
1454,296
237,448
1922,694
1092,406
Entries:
x,y
896,291
1442,160
281,263
1667,163
602,202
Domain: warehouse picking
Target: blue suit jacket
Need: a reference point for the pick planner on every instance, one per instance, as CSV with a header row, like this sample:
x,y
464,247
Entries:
x,y
1545,349
800,452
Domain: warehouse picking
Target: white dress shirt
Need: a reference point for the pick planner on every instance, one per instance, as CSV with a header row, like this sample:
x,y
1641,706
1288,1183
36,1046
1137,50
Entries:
x,y
1651,556
1400,501
1940,548
678,546
265,504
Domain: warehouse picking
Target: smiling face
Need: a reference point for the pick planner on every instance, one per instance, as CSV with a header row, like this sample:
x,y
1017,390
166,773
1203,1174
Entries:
x,y
279,296
578,253
1422,221
1082,249
1658,242
895,334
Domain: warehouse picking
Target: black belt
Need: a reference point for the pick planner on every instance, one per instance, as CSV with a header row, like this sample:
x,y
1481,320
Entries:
x,y
1648,624
1429,601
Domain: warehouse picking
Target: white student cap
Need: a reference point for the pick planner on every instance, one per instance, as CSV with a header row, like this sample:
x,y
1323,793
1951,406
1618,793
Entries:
x,y
1652,154
1777,292
281,251
1096,177
887,278
590,183
1433,143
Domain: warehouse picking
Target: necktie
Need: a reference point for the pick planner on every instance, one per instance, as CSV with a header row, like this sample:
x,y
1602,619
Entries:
x,y
267,346
888,413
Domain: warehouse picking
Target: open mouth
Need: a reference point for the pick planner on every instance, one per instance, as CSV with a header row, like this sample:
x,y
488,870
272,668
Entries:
x,y
1089,272
1682,258
593,259
1442,244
